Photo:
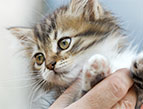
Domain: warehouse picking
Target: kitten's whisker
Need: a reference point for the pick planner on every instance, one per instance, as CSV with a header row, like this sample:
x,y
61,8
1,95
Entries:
x,y
22,76
20,79
62,77
40,13
36,84
35,90
30,73
21,85
48,6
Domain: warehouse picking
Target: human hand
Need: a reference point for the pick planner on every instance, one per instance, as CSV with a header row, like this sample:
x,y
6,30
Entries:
x,y
114,92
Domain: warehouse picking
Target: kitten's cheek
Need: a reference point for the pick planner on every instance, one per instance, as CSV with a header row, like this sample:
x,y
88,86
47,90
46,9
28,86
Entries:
x,y
59,68
37,66
47,75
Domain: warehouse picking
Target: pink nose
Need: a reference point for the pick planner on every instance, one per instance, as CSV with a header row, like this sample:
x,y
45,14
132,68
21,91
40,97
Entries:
x,y
51,65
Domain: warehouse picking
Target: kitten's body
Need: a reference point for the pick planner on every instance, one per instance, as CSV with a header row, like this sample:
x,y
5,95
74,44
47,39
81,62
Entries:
x,y
117,61
63,44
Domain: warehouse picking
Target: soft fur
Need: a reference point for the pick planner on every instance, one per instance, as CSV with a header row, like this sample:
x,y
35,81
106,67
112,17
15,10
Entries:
x,y
92,31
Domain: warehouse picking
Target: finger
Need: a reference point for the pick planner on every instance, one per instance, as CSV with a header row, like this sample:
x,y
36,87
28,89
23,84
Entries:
x,y
128,102
68,96
107,93
141,106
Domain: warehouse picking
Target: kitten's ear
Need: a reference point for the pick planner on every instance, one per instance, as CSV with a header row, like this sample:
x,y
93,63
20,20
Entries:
x,y
22,33
89,8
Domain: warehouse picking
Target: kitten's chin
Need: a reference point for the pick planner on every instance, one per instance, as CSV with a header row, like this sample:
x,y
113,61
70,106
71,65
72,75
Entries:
x,y
60,79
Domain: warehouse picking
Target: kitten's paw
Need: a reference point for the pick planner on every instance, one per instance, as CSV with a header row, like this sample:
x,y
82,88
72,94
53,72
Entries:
x,y
137,75
96,69
137,69
139,101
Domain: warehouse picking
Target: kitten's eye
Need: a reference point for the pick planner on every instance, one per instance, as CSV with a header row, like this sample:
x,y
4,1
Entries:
x,y
39,58
64,43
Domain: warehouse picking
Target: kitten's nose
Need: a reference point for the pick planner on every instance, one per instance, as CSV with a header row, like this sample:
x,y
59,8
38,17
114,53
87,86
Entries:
x,y
51,65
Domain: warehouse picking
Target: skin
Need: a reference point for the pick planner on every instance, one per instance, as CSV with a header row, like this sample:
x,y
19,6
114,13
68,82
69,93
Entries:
x,y
114,92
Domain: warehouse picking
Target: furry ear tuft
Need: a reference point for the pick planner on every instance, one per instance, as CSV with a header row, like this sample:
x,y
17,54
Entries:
x,y
77,6
91,9
22,33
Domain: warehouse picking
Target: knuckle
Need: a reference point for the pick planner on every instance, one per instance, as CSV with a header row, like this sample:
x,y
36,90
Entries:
x,y
124,105
118,88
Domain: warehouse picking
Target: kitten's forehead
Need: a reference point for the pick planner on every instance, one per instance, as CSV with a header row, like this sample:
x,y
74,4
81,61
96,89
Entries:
x,y
56,27
48,40
61,24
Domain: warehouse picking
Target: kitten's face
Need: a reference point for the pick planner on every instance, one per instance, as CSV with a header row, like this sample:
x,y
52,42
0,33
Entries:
x,y
59,53
60,45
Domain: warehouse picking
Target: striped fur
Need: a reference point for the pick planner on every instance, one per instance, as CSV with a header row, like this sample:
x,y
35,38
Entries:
x,y
92,30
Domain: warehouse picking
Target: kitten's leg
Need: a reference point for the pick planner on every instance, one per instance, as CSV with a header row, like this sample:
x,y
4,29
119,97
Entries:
x,y
96,69
137,75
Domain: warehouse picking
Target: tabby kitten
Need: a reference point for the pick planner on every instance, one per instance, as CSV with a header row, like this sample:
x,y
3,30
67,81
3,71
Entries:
x,y
80,39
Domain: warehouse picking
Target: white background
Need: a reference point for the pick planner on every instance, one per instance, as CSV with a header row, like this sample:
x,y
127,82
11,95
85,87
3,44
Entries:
x,y
13,86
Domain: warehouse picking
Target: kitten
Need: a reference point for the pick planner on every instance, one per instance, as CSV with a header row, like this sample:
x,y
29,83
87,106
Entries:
x,y
81,39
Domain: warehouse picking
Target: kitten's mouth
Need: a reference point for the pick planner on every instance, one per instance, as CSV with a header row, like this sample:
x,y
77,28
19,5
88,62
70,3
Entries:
x,y
58,73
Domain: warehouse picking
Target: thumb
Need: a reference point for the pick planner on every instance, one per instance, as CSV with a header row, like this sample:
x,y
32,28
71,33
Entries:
x,y
142,107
